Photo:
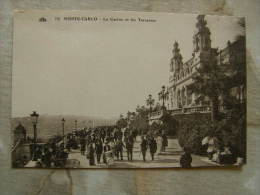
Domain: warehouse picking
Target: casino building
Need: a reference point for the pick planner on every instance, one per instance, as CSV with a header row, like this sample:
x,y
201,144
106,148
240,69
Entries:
x,y
181,98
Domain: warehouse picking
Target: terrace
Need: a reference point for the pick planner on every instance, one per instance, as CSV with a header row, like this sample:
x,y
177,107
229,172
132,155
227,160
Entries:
x,y
185,110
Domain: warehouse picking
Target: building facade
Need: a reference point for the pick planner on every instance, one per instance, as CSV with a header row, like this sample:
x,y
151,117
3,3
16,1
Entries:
x,y
181,97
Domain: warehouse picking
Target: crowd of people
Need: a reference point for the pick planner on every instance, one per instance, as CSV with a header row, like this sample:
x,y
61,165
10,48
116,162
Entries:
x,y
104,145
107,144
100,145
219,153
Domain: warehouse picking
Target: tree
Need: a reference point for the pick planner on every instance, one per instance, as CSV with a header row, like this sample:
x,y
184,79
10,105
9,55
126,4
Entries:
x,y
156,126
236,66
139,119
210,81
169,123
122,122
130,116
242,24
157,107
238,62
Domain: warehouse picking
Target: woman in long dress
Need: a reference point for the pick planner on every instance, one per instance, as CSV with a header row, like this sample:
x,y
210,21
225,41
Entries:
x,y
91,155
159,142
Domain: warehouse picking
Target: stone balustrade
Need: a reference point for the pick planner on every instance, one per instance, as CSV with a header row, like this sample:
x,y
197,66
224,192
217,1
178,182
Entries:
x,y
186,110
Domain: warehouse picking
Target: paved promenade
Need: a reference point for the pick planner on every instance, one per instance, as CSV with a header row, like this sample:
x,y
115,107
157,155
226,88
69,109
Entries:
x,y
167,159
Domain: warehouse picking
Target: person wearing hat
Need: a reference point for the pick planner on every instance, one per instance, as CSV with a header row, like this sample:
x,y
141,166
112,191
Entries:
x,y
129,147
83,146
119,148
153,147
99,149
186,159
143,145
91,155
164,142
106,149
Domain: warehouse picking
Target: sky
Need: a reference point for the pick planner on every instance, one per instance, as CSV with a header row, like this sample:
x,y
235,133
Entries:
x,y
100,68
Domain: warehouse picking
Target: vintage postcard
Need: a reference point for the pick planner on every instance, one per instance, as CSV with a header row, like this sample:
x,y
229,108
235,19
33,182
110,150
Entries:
x,y
103,89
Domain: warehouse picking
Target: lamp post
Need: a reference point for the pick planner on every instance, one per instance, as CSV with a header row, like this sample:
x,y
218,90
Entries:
x,y
76,125
128,118
150,102
63,136
163,95
34,117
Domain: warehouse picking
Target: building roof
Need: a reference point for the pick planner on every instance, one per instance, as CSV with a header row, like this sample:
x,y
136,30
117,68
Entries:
x,y
20,128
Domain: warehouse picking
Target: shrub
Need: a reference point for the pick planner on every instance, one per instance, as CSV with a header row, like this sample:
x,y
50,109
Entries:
x,y
230,131
191,135
169,124
191,130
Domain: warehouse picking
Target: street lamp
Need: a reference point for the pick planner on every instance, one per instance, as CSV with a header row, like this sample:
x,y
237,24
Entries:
x,y
150,102
34,117
63,136
76,124
163,95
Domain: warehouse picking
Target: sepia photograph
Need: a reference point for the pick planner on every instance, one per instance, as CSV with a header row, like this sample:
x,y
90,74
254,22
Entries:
x,y
103,89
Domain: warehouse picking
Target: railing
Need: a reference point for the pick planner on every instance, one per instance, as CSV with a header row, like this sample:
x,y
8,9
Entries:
x,y
156,114
16,145
189,62
187,110
197,109
176,111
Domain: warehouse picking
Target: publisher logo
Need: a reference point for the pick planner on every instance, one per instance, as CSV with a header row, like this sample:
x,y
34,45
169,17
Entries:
x,y
42,19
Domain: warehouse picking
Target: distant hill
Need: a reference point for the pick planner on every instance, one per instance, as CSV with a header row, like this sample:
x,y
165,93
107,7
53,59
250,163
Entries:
x,y
49,125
